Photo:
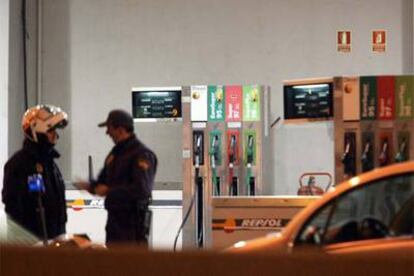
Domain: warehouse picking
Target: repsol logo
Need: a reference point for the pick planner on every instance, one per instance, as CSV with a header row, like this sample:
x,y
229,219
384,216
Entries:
x,y
263,222
249,224
80,204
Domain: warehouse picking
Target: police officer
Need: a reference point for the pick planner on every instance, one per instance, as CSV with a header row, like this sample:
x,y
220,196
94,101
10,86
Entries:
x,y
126,180
36,159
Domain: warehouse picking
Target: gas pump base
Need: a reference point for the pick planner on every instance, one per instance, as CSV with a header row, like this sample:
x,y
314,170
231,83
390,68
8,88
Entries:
x,y
244,218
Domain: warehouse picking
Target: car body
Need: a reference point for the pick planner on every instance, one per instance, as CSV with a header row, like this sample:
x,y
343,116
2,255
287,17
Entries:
x,y
372,212
13,234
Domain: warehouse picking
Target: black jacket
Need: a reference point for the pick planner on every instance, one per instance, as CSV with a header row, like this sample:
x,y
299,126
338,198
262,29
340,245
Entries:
x,y
129,173
22,205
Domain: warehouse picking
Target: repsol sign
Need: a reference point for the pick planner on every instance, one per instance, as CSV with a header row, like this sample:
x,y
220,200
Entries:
x,y
262,222
249,224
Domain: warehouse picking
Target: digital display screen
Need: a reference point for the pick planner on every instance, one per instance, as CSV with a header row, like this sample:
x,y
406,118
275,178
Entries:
x,y
308,101
156,103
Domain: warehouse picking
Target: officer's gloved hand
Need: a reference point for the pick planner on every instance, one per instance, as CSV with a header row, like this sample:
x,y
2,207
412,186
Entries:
x,y
101,189
82,185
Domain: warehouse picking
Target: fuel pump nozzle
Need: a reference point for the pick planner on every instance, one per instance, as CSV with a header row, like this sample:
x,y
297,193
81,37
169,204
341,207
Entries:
x,y
197,151
198,160
366,158
400,156
367,149
345,156
250,179
233,180
250,151
214,151
348,158
383,158
214,157
232,151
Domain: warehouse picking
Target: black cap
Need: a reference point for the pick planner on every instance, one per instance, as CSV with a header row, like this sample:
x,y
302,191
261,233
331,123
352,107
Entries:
x,y
118,118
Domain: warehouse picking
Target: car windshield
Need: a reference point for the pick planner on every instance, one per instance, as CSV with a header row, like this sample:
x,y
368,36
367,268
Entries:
x,y
383,208
14,234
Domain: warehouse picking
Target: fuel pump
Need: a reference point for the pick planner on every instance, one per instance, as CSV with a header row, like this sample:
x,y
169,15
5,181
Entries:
x,y
250,179
198,150
215,154
350,119
233,160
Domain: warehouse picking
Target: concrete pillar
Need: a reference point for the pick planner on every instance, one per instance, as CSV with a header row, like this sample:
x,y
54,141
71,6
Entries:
x,y
4,87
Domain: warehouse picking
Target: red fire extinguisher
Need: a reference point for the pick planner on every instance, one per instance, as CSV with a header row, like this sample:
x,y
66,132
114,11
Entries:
x,y
311,188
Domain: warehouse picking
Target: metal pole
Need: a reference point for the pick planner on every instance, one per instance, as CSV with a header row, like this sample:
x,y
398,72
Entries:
x,y
42,218
39,51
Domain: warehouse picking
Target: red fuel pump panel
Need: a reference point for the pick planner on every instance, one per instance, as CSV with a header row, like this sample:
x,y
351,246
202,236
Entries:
x,y
234,104
386,97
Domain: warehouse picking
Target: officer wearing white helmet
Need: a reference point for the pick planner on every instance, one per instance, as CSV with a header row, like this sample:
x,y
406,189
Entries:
x,y
36,161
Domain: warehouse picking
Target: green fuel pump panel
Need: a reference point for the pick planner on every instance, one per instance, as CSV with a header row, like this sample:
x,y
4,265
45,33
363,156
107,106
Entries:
x,y
216,127
404,125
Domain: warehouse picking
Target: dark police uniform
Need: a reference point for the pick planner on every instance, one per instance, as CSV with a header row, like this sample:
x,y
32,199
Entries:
x,y
20,204
129,173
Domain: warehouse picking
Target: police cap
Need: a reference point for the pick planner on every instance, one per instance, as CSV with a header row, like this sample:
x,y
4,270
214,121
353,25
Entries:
x,y
119,118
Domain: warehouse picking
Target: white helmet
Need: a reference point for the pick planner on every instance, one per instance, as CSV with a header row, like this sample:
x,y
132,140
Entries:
x,y
41,119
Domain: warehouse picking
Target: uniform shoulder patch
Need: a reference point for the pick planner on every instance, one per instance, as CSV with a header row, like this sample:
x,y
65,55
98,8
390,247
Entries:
x,y
143,164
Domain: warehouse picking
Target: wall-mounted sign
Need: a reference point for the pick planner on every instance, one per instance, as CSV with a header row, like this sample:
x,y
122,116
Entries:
x,y
343,41
233,103
251,103
198,103
154,103
216,103
379,38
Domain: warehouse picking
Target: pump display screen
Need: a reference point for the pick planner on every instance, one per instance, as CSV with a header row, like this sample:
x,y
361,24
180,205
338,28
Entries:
x,y
150,104
308,101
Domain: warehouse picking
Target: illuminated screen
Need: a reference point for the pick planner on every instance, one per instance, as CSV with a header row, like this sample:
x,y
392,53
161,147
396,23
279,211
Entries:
x,y
156,103
308,101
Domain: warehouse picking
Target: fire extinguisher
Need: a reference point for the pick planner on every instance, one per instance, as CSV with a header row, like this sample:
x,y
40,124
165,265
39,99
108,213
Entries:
x,y
311,188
